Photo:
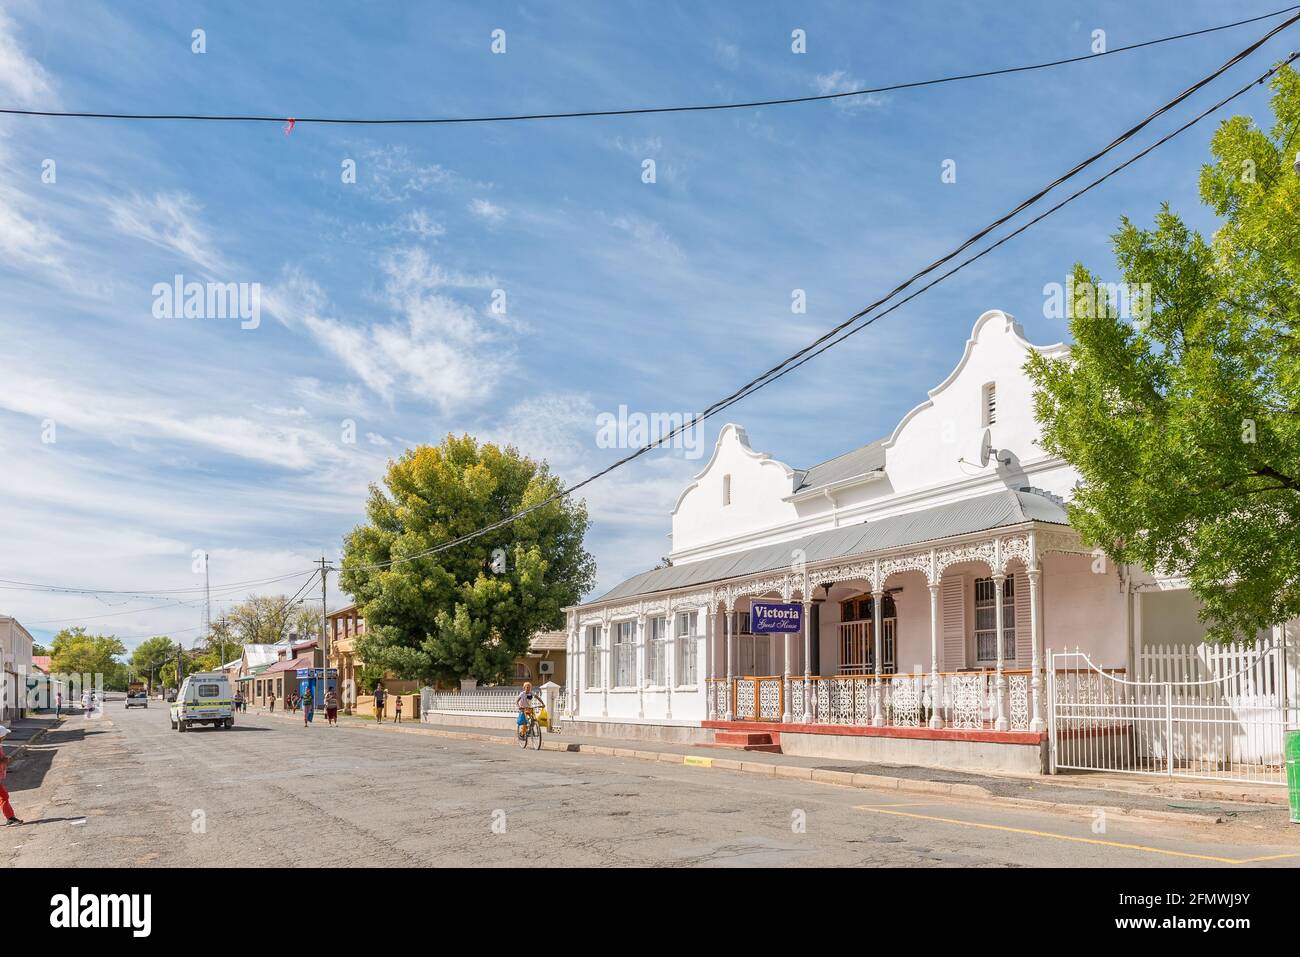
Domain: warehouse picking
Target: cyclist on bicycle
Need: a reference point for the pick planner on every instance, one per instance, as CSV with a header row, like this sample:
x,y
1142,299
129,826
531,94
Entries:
x,y
524,704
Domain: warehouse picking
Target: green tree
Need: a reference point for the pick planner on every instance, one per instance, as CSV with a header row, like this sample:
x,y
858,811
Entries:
x,y
265,619
459,613
1185,424
150,656
73,651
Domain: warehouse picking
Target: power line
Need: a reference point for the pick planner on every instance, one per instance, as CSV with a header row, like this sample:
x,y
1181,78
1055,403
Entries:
x,y
1016,232
798,357
7,584
641,111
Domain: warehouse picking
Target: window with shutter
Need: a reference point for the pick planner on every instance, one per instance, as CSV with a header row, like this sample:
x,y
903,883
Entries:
x,y
952,606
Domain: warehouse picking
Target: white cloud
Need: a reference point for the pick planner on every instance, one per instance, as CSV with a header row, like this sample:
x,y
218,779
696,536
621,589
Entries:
x,y
839,81
649,237
23,81
392,175
484,209
421,224
170,221
142,419
437,348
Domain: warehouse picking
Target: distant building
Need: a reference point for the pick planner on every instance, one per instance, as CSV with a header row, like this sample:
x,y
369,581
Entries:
x,y
544,661
15,665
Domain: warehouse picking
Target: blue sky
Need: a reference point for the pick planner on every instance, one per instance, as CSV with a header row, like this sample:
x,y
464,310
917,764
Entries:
x,y
179,434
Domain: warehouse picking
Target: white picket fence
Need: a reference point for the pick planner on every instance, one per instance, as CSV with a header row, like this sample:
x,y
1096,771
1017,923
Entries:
x,y
1197,710
489,701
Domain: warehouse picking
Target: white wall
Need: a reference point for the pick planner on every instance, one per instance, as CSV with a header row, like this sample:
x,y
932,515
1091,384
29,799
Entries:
x,y
922,456
758,485
1084,608
925,448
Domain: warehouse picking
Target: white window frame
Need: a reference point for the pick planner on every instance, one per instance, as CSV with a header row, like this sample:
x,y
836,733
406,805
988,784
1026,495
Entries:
x,y
593,656
989,605
622,646
656,651
686,667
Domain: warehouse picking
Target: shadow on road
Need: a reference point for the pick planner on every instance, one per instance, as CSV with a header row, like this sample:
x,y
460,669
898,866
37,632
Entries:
x,y
28,772
239,727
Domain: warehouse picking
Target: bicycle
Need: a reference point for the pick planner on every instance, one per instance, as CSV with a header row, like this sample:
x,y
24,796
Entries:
x,y
532,731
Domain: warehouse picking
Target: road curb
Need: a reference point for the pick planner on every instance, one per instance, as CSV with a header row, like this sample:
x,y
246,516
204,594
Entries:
x,y
818,776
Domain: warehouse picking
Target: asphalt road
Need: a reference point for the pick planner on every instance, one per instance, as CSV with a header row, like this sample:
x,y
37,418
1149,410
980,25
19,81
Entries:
x,y
125,790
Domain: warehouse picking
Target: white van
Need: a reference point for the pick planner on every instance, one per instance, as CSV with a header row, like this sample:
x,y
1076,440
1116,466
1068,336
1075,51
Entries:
x,y
204,698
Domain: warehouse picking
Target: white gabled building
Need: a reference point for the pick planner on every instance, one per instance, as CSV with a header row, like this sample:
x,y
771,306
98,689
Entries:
x,y
908,555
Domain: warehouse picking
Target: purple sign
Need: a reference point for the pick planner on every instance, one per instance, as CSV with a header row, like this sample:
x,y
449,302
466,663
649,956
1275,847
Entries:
x,y
772,617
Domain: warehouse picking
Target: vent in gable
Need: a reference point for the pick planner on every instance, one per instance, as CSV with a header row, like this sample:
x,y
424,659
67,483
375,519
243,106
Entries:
x,y
989,405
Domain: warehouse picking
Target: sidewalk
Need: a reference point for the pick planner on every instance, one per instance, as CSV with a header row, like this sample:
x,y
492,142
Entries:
x,y
1156,799
28,731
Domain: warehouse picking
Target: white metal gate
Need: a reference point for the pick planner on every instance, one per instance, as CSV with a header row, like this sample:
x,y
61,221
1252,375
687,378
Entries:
x,y
1226,727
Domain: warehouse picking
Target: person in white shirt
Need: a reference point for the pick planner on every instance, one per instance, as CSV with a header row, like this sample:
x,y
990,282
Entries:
x,y
526,701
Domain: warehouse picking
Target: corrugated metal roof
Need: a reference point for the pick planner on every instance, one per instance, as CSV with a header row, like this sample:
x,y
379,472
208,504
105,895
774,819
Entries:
x,y
289,664
260,655
984,512
867,458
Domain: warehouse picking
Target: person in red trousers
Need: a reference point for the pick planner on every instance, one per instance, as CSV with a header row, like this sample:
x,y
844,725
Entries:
x,y
6,808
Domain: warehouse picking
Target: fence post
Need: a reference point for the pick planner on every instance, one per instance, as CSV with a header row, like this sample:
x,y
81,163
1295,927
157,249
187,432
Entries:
x,y
1169,727
1051,712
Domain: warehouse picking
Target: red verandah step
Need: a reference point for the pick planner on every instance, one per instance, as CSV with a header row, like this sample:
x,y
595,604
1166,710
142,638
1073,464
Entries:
x,y
748,740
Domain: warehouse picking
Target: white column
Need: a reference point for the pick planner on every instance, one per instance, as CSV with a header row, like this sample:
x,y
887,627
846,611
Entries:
x,y
642,649
1036,723
877,640
785,681
936,690
1000,683
807,661
605,668
670,660
575,655
731,678
706,672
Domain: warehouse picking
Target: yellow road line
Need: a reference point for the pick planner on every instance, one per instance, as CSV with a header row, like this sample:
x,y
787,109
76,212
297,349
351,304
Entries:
x,y
1071,837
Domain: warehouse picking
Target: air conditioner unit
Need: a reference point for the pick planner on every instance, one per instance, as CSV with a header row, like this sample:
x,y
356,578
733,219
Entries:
x,y
546,667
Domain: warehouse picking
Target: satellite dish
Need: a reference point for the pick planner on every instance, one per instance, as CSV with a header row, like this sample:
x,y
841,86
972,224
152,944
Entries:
x,y
986,448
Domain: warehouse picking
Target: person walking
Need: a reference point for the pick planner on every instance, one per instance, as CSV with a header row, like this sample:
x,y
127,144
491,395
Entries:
x,y
308,707
381,696
271,702
331,707
58,703
6,808
239,701
397,712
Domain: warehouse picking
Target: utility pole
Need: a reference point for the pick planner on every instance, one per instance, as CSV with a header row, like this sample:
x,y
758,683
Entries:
x,y
324,635
207,601
223,639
